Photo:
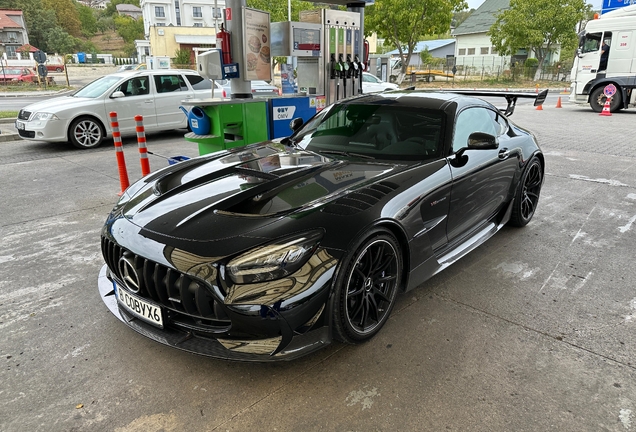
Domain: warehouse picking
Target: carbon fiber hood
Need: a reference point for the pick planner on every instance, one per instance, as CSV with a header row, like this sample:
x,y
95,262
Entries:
x,y
213,198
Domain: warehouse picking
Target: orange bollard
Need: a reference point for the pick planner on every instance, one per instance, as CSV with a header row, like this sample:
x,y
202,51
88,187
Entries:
x,y
559,103
121,162
141,141
539,107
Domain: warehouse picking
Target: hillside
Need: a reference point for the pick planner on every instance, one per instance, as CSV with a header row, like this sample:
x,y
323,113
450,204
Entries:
x,y
109,43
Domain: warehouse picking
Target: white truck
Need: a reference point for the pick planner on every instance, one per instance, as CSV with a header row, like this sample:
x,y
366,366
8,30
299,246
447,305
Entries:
x,y
615,32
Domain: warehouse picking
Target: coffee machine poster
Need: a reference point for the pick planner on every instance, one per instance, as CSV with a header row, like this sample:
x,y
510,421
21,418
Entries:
x,y
256,49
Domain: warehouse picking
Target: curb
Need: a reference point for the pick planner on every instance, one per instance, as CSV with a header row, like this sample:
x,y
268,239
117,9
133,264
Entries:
x,y
9,137
6,135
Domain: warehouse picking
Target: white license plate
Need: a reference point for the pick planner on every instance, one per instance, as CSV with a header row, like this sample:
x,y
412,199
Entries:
x,y
19,125
140,308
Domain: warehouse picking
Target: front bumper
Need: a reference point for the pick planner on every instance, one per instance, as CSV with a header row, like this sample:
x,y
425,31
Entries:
x,y
281,344
49,130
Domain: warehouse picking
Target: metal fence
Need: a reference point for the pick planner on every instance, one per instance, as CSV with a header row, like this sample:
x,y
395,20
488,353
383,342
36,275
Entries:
x,y
501,71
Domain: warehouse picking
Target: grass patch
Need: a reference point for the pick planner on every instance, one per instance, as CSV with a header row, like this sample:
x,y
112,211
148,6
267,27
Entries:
x,y
8,114
31,88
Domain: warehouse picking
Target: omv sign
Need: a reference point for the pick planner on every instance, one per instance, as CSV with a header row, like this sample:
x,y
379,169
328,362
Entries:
x,y
284,112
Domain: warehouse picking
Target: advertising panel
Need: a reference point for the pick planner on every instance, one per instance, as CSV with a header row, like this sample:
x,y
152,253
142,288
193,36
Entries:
x,y
256,39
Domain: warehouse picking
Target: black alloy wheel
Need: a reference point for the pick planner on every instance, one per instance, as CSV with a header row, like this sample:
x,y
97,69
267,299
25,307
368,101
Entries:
x,y
598,98
527,196
367,288
86,133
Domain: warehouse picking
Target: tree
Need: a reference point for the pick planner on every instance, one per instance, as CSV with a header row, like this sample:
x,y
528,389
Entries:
x,y
278,9
66,15
426,56
540,26
460,16
88,20
129,29
403,23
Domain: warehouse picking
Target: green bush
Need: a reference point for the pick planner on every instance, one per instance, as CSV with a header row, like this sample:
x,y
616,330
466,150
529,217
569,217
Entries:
x,y
531,62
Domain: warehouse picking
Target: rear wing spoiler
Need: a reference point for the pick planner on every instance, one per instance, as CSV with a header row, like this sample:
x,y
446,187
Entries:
x,y
511,97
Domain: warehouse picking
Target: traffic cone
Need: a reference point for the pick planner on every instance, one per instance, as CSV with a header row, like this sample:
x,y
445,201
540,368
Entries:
x,y
559,103
606,108
540,107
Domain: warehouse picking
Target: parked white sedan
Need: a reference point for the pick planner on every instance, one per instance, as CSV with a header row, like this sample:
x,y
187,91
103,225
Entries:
x,y
373,84
83,117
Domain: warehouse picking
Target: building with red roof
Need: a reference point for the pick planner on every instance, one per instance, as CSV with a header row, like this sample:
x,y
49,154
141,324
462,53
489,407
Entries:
x,y
13,33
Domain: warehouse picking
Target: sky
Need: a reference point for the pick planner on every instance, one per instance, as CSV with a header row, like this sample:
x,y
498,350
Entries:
x,y
474,4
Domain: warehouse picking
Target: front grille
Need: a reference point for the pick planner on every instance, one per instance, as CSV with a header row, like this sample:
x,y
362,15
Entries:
x,y
26,133
24,115
170,288
360,200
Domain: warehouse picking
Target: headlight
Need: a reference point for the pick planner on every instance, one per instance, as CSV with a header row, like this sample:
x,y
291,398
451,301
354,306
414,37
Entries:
x,y
45,116
275,260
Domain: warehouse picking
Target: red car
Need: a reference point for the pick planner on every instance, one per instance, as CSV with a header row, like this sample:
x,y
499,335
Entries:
x,y
16,75
55,67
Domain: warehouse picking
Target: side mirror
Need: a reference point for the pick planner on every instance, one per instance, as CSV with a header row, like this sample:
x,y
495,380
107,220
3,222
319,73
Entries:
x,y
295,124
117,94
482,141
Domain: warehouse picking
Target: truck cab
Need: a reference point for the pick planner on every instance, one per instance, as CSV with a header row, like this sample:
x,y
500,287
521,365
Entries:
x,y
606,55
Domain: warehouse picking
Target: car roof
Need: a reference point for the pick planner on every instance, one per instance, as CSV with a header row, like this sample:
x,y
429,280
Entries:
x,y
129,73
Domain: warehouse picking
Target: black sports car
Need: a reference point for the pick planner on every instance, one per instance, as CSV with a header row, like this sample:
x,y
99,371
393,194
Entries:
x,y
270,251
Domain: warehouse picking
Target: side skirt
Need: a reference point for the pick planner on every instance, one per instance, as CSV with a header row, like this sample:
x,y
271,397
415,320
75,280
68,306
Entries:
x,y
437,263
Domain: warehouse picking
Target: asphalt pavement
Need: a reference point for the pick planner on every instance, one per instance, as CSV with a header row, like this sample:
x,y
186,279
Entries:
x,y
533,331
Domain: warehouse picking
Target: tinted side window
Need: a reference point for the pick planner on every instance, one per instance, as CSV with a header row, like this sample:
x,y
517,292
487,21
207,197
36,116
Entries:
x,y
169,83
135,86
198,82
473,120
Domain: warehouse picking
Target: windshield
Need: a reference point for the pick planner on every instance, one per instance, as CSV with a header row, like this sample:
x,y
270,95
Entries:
x,y
377,131
13,71
97,87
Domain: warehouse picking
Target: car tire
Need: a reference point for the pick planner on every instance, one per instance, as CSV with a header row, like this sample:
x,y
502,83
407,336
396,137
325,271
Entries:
x,y
58,69
598,98
527,195
86,133
366,287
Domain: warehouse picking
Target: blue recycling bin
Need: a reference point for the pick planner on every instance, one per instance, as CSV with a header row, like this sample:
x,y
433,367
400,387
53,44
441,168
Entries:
x,y
81,57
284,109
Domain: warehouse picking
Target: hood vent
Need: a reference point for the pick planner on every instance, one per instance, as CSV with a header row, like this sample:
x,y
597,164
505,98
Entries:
x,y
360,200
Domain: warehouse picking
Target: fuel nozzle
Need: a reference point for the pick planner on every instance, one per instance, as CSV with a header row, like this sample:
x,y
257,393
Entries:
x,y
343,66
335,67
351,67
358,66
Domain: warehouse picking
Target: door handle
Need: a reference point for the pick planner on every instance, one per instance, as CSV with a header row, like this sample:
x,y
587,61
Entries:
x,y
149,102
504,153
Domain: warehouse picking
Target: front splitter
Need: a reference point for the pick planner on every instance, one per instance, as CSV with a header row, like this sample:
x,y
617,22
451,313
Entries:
x,y
189,341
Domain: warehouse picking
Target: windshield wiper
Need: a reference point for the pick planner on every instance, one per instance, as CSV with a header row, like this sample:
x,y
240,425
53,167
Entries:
x,y
342,153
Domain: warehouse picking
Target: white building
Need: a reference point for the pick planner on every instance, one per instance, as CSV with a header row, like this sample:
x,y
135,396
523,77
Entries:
x,y
474,48
182,13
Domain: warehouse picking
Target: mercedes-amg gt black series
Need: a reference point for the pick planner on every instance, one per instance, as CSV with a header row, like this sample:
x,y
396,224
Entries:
x,y
272,250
